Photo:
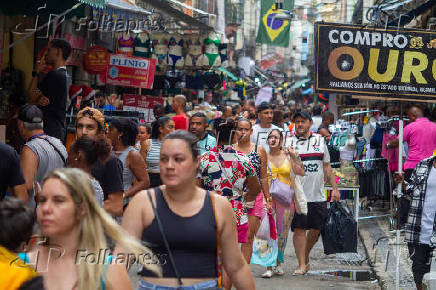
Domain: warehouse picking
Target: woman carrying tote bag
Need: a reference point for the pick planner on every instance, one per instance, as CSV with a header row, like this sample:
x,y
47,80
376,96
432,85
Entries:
x,y
282,165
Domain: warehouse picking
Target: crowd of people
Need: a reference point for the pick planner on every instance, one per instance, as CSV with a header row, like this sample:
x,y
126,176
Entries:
x,y
183,196
186,192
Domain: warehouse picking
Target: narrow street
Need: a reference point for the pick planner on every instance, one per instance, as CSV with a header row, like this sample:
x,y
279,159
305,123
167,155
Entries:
x,y
313,280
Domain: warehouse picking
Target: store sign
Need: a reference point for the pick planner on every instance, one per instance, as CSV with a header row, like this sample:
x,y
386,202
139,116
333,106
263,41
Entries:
x,y
127,71
96,59
142,104
375,61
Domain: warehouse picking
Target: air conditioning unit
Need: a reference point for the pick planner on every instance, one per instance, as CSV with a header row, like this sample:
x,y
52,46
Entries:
x,y
212,20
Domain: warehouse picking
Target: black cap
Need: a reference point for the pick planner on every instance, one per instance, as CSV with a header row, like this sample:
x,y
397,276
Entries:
x,y
302,114
263,106
30,114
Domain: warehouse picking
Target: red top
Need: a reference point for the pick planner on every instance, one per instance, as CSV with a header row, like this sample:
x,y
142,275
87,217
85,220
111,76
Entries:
x,y
181,122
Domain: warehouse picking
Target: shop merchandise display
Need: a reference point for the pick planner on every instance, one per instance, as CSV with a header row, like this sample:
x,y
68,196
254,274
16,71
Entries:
x,y
126,44
142,45
194,52
175,52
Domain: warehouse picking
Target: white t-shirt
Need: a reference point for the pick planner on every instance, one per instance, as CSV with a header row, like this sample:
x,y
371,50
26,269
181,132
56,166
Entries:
x,y
260,135
317,120
429,209
313,152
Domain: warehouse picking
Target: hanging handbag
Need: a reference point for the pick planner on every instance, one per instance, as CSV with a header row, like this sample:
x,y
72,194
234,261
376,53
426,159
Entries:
x,y
167,246
280,191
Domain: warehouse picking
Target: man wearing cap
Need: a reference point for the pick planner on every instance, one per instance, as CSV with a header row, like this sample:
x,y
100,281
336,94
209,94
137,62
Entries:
x,y
261,130
41,153
90,123
51,92
315,156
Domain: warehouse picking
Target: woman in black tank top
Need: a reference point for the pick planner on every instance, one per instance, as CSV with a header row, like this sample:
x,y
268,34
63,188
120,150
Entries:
x,y
198,226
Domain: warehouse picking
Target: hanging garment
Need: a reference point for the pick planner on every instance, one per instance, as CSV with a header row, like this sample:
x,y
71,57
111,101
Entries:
x,y
142,49
125,46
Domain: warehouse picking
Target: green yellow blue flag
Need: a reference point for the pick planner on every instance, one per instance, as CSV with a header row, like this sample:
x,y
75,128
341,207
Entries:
x,y
272,31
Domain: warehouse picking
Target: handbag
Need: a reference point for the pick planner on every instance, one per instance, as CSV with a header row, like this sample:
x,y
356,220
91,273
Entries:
x,y
280,191
167,246
299,196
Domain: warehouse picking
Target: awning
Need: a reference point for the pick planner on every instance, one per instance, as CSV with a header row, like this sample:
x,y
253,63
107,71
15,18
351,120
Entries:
x,y
229,74
94,3
43,7
125,5
299,84
190,22
260,72
405,19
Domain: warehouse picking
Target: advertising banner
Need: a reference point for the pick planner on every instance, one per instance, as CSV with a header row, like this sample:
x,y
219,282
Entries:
x,y
134,72
96,59
375,61
142,104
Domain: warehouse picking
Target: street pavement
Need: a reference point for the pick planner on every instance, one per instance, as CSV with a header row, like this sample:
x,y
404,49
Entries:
x,y
381,245
312,280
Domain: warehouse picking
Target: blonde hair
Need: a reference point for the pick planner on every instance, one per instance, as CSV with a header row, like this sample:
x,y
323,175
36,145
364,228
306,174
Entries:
x,y
93,226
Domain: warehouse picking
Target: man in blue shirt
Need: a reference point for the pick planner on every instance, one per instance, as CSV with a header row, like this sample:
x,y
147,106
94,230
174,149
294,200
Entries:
x,y
198,126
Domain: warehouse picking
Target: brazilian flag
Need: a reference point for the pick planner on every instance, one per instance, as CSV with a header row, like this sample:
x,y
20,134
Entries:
x,y
272,31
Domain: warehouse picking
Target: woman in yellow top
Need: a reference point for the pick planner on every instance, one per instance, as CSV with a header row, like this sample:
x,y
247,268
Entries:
x,y
279,164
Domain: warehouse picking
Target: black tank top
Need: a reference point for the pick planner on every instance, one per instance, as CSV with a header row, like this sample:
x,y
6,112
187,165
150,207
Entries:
x,y
193,241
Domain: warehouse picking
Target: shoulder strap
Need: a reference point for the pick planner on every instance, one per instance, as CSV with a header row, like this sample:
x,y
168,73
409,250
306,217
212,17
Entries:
x,y
161,229
56,149
218,240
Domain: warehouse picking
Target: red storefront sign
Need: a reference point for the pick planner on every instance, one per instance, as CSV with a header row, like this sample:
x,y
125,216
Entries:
x,y
140,103
134,72
96,59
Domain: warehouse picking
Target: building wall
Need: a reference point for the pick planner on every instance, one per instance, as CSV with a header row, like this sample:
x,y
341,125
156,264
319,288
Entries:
x,y
22,56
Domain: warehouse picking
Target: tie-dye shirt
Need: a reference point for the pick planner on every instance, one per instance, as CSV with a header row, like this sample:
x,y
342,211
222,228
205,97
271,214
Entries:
x,y
237,167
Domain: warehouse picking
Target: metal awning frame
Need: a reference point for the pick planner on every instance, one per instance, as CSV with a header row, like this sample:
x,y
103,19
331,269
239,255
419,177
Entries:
x,y
191,22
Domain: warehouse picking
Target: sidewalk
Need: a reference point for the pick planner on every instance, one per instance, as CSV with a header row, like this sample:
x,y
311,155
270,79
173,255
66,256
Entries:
x,y
382,255
319,263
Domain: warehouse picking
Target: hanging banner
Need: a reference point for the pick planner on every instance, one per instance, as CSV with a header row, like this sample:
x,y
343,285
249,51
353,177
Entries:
x,y
141,103
96,59
272,30
134,72
375,61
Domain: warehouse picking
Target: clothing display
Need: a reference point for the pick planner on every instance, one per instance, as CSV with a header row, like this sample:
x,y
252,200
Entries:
x,y
142,48
125,46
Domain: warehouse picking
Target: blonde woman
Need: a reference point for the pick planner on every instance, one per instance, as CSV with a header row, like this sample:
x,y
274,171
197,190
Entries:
x,y
73,253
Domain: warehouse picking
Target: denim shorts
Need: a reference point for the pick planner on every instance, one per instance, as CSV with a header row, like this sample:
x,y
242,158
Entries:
x,y
145,285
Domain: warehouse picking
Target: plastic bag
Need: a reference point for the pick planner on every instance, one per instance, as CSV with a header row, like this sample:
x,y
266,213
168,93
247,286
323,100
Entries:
x,y
267,229
265,252
340,231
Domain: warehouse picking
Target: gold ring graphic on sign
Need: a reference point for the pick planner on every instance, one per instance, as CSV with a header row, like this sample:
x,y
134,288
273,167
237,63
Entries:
x,y
357,59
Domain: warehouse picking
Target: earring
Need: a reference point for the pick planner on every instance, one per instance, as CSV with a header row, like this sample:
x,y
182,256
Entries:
x,y
76,159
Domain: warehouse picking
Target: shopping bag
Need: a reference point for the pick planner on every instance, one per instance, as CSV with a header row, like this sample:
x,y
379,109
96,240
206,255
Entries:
x,y
263,231
265,252
340,232
267,229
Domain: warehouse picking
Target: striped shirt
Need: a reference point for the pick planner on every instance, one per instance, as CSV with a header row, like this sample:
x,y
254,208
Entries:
x,y
153,156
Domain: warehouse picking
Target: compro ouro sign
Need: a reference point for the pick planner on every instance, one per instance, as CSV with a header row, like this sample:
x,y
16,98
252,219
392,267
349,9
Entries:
x,y
375,61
